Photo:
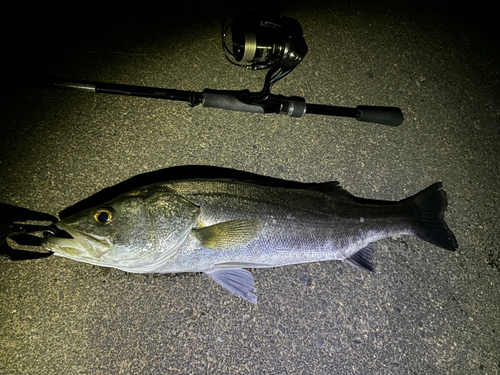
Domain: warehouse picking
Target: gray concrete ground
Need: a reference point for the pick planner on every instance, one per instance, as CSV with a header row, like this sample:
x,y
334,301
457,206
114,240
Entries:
x,y
425,311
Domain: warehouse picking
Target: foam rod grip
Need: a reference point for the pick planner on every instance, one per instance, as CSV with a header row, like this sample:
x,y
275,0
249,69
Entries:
x,y
391,116
228,101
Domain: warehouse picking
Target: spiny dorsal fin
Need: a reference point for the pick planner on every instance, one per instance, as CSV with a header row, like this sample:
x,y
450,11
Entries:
x,y
362,259
228,235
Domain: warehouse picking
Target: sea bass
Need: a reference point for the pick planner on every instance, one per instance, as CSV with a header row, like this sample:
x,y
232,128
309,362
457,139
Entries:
x,y
222,226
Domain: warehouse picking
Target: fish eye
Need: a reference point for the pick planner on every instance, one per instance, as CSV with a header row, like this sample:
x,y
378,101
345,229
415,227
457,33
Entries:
x,y
103,216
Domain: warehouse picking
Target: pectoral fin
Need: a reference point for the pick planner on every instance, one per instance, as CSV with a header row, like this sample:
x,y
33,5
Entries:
x,y
228,235
236,280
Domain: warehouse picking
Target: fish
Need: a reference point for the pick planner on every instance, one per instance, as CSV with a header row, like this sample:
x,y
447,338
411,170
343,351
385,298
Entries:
x,y
222,227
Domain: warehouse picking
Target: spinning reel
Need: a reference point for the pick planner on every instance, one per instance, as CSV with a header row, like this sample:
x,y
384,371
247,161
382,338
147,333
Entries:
x,y
261,42
265,41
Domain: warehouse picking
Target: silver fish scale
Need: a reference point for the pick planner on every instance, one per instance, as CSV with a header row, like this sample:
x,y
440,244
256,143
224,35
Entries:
x,y
298,225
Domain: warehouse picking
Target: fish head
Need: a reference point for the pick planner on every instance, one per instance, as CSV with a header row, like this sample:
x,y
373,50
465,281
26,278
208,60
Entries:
x,y
133,230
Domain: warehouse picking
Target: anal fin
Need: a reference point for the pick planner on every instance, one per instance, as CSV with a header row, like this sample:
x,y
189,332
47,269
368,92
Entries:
x,y
362,259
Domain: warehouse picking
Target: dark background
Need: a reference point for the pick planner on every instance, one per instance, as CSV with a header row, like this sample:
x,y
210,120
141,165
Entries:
x,y
426,310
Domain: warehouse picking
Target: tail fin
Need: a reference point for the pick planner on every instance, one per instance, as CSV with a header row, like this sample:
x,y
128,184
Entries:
x,y
429,206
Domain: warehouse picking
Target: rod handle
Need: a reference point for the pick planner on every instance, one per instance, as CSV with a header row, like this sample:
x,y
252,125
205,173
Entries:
x,y
228,101
391,116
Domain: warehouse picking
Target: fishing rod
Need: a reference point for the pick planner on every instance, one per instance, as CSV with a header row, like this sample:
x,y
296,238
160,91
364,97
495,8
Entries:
x,y
260,40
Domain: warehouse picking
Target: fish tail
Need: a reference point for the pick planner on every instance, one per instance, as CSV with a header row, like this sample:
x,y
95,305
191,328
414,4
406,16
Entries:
x,y
429,206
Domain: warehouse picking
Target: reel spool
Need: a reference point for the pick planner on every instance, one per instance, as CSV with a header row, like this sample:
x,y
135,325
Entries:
x,y
263,40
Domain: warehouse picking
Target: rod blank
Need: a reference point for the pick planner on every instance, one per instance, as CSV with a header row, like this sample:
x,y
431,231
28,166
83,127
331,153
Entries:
x,y
229,100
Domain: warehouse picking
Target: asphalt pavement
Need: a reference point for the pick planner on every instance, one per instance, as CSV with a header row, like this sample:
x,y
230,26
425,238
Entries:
x,y
425,310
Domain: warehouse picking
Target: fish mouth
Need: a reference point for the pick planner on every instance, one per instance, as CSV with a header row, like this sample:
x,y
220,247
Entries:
x,y
79,245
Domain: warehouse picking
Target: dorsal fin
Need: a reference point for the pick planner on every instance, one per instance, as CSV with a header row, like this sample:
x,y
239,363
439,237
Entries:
x,y
335,189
